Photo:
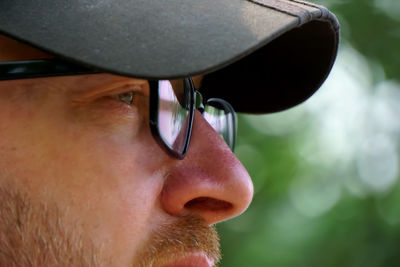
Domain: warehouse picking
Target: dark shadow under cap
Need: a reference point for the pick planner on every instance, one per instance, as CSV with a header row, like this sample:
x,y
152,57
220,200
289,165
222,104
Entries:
x,y
283,73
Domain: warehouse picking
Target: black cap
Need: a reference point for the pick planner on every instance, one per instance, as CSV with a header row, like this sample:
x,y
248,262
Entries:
x,y
260,55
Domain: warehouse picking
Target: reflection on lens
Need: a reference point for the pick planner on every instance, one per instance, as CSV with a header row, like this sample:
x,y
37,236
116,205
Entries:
x,y
173,114
220,115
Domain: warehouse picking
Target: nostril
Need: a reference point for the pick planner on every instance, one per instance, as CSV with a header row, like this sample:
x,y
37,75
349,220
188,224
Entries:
x,y
209,204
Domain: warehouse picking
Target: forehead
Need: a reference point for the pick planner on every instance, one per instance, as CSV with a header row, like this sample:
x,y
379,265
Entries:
x,y
11,49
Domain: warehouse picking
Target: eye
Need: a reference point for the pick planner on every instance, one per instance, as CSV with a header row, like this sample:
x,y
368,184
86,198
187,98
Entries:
x,y
126,97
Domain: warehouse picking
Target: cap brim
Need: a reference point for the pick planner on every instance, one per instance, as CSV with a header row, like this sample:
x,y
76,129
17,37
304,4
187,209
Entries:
x,y
234,42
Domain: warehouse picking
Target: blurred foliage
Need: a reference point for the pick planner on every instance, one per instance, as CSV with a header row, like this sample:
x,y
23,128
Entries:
x,y
326,172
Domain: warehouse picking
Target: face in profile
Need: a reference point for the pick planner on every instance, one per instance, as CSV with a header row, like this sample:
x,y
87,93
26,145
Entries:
x,y
84,183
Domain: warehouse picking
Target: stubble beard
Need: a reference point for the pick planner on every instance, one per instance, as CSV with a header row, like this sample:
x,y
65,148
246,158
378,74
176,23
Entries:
x,y
34,235
189,234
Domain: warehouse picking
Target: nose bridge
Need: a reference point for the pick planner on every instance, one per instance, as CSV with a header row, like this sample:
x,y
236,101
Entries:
x,y
210,182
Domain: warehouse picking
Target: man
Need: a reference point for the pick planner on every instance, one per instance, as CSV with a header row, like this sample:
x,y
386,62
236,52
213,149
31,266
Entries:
x,y
109,156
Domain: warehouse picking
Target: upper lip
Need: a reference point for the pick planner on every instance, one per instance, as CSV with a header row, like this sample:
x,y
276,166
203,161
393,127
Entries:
x,y
198,259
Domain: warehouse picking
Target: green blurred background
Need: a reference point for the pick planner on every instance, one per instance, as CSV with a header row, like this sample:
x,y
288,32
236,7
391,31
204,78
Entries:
x,y
326,173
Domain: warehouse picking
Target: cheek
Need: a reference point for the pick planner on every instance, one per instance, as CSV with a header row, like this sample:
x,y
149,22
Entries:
x,y
118,190
105,183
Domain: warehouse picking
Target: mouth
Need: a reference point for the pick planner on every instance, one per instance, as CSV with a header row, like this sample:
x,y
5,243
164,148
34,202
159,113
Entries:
x,y
192,260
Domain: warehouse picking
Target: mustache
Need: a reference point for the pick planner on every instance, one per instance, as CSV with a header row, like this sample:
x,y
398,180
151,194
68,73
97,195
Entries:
x,y
173,241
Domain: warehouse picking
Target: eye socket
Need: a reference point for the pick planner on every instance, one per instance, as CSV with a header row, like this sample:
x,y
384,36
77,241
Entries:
x,y
126,97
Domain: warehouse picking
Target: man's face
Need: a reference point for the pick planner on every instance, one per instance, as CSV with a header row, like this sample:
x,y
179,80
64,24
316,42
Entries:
x,y
82,181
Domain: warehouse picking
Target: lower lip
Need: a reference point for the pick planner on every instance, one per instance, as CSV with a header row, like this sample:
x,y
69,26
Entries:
x,y
193,260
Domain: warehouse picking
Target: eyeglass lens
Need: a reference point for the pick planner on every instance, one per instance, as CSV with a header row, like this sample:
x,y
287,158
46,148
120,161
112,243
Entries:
x,y
221,116
175,114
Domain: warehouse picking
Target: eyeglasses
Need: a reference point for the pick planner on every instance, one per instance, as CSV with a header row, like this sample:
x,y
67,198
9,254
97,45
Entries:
x,y
172,103
172,107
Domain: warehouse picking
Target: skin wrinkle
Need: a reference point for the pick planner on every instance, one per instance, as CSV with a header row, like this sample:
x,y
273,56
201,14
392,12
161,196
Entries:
x,y
124,85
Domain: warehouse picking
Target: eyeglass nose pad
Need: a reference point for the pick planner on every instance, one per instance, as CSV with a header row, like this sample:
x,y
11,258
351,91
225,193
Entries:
x,y
226,127
199,105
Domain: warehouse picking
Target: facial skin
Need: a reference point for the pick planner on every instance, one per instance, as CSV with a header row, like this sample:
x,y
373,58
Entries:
x,y
83,182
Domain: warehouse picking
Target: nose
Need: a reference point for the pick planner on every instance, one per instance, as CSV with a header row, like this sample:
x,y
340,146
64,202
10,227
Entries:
x,y
210,181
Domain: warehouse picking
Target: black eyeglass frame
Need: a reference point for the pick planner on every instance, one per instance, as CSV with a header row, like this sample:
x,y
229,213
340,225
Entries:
x,y
26,69
154,106
195,103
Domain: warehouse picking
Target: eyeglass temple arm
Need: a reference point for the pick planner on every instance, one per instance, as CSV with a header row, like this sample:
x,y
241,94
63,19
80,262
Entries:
x,y
40,68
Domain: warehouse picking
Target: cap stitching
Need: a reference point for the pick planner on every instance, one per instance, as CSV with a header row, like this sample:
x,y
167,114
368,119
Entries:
x,y
306,3
286,7
325,14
